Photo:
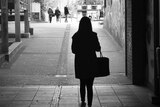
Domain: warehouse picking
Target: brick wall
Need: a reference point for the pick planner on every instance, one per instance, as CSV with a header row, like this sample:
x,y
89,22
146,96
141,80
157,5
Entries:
x,y
150,43
114,20
128,38
139,39
148,39
118,17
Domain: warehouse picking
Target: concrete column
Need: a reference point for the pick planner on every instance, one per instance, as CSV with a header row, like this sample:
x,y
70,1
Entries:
x,y
29,8
40,16
139,51
29,11
31,1
4,26
156,96
159,23
104,4
30,15
26,22
17,21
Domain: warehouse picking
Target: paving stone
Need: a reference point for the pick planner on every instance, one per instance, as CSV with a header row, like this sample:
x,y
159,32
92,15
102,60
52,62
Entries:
x,y
95,102
106,94
20,104
24,97
129,100
27,91
125,93
67,100
7,97
41,102
5,103
69,96
67,105
133,104
43,98
45,93
40,105
108,97
112,104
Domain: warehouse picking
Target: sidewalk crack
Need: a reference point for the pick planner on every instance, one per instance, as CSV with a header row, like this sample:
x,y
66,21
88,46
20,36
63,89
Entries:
x,y
56,98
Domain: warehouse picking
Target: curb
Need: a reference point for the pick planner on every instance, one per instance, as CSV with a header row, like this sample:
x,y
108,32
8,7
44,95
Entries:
x,y
13,49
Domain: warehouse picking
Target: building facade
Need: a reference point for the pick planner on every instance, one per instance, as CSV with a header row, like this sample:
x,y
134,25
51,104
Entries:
x,y
135,26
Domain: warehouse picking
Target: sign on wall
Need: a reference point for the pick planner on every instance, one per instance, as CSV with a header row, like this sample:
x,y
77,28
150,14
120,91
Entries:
x,y
36,7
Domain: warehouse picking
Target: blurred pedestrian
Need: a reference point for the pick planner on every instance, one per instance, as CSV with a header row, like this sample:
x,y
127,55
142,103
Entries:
x,y
50,13
85,43
57,13
66,12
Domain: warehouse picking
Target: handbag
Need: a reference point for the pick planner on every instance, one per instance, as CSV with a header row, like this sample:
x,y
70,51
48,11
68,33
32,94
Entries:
x,y
102,66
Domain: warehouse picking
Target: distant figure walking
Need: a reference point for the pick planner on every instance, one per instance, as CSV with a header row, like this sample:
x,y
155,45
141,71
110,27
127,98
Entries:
x,y
85,43
57,13
66,12
50,13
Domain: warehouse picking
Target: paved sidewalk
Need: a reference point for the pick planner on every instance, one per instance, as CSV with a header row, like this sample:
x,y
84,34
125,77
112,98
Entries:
x,y
46,57
68,96
34,78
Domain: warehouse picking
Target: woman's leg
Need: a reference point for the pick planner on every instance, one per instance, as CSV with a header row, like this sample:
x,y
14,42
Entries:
x,y
50,19
82,90
58,18
90,91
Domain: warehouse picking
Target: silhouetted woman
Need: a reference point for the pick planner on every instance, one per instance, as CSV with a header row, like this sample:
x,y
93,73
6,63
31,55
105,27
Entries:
x,y
84,45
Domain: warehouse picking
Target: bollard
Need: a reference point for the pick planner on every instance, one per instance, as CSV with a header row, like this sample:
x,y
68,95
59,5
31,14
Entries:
x,y
31,31
156,97
158,70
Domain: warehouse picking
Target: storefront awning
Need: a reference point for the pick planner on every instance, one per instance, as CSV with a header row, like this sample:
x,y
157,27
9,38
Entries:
x,y
82,10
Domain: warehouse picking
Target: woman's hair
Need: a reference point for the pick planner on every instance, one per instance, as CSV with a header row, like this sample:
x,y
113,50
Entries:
x,y
85,25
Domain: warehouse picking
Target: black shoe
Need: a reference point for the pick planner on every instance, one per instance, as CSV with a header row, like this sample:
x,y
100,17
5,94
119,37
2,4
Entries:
x,y
83,104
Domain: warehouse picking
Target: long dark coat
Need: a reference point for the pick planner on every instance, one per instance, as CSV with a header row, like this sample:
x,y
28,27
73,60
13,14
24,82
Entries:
x,y
84,46
66,12
57,12
50,12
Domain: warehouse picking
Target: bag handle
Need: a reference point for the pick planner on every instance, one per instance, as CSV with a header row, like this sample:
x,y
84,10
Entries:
x,y
101,55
